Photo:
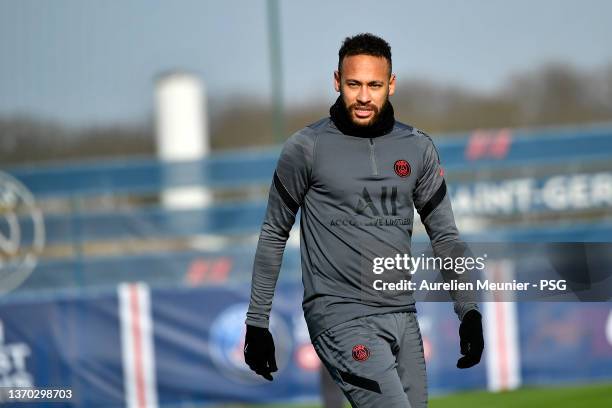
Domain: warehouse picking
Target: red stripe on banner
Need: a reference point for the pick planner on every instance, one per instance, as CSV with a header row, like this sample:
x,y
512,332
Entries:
x,y
137,338
477,145
501,145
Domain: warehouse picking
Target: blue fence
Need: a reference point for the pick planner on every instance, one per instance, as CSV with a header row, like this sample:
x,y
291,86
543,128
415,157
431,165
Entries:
x,y
490,174
67,318
234,170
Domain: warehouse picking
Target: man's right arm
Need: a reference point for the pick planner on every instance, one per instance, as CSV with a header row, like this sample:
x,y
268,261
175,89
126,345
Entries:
x,y
289,186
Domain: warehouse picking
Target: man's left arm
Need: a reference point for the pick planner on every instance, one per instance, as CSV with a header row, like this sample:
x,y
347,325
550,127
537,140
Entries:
x,y
433,204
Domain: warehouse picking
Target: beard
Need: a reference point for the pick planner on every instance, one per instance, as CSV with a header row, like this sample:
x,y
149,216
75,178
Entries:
x,y
380,122
350,110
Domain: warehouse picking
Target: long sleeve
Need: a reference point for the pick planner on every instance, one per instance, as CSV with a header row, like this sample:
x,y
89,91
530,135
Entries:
x,y
434,207
290,184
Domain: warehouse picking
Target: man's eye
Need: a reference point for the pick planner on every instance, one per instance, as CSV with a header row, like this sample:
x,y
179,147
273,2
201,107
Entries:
x,y
353,85
376,85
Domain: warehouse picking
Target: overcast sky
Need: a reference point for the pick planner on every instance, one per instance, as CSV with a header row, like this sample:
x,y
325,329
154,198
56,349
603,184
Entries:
x,y
94,62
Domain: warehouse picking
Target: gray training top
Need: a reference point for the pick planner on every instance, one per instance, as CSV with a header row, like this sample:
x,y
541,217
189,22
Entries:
x,y
357,197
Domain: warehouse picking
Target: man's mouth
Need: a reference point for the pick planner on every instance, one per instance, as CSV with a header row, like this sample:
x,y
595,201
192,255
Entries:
x,y
363,112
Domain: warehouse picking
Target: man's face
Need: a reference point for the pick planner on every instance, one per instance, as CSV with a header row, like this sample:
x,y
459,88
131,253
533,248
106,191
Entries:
x,y
365,86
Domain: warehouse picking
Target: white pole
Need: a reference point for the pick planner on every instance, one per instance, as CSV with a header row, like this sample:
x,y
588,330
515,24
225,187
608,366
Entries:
x,y
182,134
501,332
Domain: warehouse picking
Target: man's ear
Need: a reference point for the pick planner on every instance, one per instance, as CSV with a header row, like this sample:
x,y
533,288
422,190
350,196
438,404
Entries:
x,y
337,80
392,85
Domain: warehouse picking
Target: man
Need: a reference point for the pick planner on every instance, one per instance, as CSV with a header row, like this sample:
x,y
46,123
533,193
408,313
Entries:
x,y
357,177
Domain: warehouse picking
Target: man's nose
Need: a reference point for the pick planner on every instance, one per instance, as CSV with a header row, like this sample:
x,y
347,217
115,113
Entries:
x,y
364,95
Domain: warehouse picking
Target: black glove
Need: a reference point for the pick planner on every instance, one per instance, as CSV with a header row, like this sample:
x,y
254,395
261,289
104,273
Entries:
x,y
259,351
472,342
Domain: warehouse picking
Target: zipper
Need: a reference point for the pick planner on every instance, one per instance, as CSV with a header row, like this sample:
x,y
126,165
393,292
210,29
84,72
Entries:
x,y
373,158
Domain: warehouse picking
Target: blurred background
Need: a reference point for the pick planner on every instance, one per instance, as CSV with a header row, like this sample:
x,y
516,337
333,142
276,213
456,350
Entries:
x,y
137,144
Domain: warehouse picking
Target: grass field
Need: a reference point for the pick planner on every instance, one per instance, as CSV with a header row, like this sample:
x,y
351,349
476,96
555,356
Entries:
x,y
575,396
599,395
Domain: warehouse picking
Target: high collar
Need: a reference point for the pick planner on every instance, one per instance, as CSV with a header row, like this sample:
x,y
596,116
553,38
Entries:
x,y
382,126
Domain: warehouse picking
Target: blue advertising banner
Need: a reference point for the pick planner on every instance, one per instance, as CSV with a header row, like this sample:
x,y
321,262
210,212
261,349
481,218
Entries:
x,y
67,343
162,347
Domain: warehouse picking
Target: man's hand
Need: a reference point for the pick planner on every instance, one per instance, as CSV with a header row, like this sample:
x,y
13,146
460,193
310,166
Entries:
x,y
259,351
472,342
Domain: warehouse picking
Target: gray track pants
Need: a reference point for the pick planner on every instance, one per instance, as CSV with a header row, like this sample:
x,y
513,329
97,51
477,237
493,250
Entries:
x,y
377,360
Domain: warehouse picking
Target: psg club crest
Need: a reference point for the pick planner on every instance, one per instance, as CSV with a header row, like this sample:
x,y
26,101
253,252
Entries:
x,y
361,352
22,233
402,168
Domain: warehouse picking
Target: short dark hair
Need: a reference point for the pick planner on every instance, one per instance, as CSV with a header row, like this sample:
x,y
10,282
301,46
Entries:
x,y
364,44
